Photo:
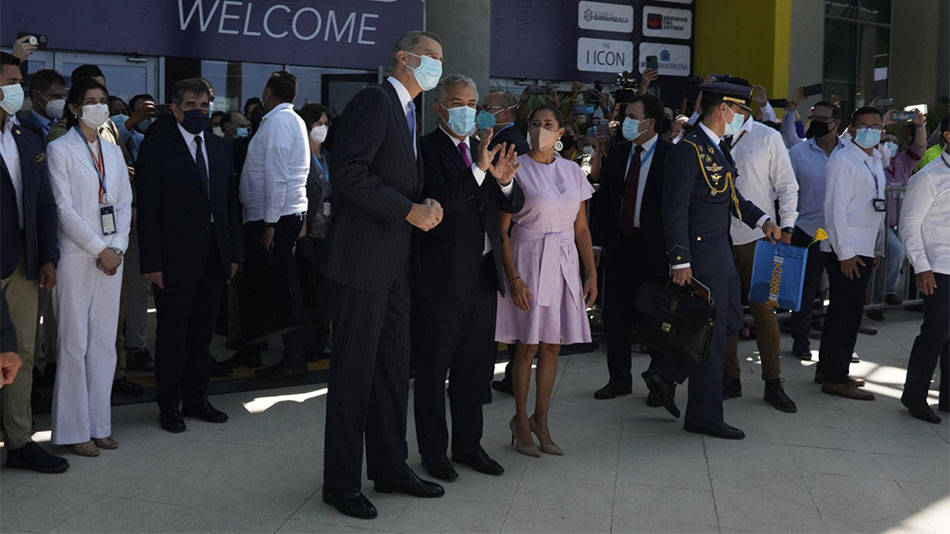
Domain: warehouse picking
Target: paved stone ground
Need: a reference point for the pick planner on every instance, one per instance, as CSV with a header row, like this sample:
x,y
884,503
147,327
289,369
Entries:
x,y
836,466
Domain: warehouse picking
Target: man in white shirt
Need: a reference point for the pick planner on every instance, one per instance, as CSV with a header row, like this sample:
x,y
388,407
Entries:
x,y
763,175
923,228
854,219
274,196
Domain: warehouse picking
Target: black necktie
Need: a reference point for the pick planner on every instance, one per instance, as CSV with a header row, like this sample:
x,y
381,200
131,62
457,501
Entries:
x,y
724,146
202,168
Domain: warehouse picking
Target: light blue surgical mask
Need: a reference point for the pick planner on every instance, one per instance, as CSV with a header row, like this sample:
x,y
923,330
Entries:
x,y
485,119
867,137
735,125
630,128
241,132
461,119
12,99
890,148
428,72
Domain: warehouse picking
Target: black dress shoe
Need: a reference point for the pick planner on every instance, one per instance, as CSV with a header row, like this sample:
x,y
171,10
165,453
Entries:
x,y
719,430
731,387
171,420
410,484
122,386
776,396
654,400
205,411
440,468
664,391
479,461
801,351
351,503
922,411
503,386
35,458
247,356
612,390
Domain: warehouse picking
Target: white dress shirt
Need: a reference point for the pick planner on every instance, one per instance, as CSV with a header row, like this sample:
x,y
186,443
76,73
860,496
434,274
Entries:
x,y
646,160
405,100
763,174
274,179
854,180
479,177
924,216
11,157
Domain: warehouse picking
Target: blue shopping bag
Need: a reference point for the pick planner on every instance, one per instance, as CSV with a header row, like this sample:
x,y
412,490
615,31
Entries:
x,y
778,274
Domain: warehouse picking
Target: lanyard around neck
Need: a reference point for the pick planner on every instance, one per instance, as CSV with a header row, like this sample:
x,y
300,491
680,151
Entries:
x,y
644,158
98,163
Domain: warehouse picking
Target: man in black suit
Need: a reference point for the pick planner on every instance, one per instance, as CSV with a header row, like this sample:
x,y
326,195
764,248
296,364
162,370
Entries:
x,y
189,248
377,200
499,111
626,221
28,254
461,275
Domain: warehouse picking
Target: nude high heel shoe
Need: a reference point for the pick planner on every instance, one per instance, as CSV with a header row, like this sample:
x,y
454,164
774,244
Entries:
x,y
547,448
528,450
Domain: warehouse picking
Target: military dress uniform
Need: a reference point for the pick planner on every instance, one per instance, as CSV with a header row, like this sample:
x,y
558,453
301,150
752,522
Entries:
x,y
699,197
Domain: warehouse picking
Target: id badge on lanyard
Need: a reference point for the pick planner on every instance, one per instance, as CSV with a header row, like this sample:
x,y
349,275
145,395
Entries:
x,y
880,205
106,209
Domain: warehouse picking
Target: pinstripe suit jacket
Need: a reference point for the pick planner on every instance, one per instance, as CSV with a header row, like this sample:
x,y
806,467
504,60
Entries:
x,y
375,177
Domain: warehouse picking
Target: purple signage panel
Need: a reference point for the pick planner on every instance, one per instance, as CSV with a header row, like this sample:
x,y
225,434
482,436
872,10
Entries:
x,y
327,33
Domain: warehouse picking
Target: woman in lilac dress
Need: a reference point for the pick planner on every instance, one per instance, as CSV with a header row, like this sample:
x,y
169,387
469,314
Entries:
x,y
545,306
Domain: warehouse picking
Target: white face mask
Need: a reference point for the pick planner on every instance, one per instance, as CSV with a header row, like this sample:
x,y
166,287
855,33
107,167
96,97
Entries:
x,y
12,99
94,115
54,108
318,134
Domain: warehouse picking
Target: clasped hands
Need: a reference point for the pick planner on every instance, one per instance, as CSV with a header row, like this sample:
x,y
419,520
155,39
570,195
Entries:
x,y
108,261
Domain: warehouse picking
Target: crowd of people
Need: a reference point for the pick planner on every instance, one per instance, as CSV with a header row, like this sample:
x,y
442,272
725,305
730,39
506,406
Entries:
x,y
425,250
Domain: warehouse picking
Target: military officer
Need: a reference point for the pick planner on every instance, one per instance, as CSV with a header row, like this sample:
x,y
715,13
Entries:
x,y
699,196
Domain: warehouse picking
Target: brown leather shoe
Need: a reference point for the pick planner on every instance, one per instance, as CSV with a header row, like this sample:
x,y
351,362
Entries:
x,y
106,443
847,390
87,448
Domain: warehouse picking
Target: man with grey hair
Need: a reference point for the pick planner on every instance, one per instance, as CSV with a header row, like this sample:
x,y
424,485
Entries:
x,y
461,275
377,200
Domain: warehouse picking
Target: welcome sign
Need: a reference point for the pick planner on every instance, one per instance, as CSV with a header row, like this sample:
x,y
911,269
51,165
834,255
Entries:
x,y
328,33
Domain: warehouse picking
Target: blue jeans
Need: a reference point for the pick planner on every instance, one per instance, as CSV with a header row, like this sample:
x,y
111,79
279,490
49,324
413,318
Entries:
x,y
888,275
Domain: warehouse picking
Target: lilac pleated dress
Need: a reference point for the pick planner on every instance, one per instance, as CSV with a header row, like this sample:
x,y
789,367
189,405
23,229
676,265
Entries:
x,y
542,239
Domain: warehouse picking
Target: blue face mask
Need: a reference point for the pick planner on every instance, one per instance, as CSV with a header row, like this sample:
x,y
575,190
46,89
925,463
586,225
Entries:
x,y
630,128
733,127
461,119
241,132
195,120
867,137
428,72
485,120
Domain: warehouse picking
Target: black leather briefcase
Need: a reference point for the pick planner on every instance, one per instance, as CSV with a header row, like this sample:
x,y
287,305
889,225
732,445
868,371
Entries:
x,y
676,321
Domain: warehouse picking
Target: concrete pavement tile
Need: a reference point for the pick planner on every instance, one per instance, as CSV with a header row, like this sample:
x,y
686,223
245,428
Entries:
x,y
763,513
451,515
38,510
858,500
128,515
562,493
680,505
652,524
525,519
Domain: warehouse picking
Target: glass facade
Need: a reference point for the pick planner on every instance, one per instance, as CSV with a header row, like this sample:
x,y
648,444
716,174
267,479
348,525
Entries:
x,y
857,51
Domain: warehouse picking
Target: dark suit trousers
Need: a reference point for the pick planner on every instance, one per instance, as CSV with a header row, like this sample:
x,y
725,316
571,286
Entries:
x,y
704,406
259,278
843,318
368,384
187,313
623,274
932,344
800,323
456,339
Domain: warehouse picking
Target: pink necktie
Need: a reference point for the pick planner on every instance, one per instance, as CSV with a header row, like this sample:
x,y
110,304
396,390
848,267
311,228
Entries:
x,y
466,157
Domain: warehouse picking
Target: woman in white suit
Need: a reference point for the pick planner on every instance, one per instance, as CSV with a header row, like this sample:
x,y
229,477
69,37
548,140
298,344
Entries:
x,y
90,182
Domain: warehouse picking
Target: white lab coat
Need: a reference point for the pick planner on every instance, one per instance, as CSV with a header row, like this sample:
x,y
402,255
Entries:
x,y
86,300
924,217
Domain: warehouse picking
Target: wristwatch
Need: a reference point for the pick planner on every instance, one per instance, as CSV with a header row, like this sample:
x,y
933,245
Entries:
x,y
117,250
788,230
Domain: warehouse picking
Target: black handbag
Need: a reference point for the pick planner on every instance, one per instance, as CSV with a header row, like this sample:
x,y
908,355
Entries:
x,y
676,320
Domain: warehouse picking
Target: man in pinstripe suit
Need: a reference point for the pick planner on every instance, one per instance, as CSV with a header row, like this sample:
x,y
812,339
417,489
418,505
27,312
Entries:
x,y
377,200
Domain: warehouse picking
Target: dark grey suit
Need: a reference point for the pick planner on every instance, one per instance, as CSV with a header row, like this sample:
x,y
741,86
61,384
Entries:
x,y
376,177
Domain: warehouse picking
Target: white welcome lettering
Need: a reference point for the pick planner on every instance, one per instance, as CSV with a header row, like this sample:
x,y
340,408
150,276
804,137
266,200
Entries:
x,y
331,23
315,31
267,18
202,21
225,16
